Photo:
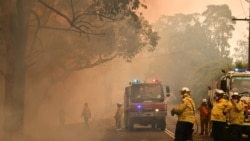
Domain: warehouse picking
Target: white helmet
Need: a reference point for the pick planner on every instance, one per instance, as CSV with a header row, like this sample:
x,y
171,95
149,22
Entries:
x,y
235,94
204,100
219,92
185,89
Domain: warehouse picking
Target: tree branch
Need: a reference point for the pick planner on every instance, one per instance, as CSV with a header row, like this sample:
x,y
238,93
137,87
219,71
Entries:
x,y
96,63
54,10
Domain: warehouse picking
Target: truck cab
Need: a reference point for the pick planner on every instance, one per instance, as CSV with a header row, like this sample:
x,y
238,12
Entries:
x,y
144,104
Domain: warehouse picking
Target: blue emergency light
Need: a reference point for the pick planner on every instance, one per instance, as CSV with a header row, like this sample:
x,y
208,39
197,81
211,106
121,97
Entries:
x,y
138,106
240,70
136,81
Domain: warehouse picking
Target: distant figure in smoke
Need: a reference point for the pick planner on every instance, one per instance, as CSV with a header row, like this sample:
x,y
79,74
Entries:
x,y
62,117
86,114
118,116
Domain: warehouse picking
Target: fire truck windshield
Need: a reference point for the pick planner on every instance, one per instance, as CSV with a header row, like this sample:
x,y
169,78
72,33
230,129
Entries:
x,y
240,84
147,92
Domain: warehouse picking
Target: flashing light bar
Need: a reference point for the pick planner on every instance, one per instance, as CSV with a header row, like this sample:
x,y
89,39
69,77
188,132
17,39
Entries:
x,y
240,70
155,81
136,81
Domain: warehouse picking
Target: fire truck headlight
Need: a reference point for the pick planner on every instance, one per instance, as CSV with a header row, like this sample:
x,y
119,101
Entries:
x,y
157,110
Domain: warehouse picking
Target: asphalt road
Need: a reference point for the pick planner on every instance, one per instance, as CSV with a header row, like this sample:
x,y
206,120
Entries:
x,y
103,129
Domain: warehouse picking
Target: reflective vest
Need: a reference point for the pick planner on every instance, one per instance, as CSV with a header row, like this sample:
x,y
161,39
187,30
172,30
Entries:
x,y
219,107
186,110
236,115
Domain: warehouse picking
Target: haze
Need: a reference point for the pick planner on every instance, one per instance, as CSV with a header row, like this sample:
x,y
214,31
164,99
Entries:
x,y
103,86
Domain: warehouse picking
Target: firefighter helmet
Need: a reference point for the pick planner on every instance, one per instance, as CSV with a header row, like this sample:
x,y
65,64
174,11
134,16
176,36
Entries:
x,y
119,105
184,90
204,100
219,92
236,94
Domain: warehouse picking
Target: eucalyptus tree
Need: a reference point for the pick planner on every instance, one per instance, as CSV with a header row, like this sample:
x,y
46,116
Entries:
x,y
194,48
24,42
241,51
219,24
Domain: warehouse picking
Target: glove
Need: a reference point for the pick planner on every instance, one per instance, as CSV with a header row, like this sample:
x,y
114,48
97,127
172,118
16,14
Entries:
x,y
172,112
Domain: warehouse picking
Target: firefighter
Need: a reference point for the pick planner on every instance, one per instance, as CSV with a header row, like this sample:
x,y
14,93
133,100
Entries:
x,y
186,116
218,115
86,114
118,116
236,117
204,117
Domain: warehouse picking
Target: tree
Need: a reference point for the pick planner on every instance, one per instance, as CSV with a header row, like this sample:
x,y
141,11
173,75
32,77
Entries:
x,y
189,54
22,28
241,51
219,24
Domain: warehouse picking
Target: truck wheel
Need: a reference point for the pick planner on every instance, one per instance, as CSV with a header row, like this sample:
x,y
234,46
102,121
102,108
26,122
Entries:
x,y
131,125
162,125
153,125
126,123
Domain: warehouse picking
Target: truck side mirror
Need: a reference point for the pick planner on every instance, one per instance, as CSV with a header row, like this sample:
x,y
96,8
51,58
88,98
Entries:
x,y
167,91
223,85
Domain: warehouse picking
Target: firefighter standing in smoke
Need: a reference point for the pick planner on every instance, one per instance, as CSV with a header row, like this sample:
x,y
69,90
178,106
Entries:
x,y
236,117
86,114
218,115
204,117
118,116
186,117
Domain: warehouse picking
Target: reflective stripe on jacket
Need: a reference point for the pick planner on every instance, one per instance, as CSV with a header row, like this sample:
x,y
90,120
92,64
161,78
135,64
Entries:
x,y
217,111
236,113
186,110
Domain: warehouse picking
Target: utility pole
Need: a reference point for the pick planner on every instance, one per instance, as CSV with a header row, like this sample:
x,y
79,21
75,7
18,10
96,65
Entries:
x,y
245,19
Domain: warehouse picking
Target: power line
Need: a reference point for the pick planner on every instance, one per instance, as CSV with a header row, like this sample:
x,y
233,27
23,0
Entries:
x,y
246,19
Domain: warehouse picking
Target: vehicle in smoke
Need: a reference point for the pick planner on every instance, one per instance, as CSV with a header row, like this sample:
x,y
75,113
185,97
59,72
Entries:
x,y
237,80
144,104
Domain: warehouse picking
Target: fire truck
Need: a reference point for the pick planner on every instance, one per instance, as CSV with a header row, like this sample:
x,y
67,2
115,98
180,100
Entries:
x,y
144,104
237,80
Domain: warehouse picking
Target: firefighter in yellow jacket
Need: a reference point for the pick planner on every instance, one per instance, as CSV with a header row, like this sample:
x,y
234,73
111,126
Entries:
x,y
186,116
218,115
236,117
118,116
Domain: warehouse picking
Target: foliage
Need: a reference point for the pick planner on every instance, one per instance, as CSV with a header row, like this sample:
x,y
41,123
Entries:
x,y
193,50
219,24
240,64
104,18
55,38
241,50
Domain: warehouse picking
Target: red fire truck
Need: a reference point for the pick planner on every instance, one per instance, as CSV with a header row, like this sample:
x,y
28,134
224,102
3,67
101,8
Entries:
x,y
144,104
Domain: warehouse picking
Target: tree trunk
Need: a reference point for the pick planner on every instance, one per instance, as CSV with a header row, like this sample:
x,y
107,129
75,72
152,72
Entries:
x,y
15,34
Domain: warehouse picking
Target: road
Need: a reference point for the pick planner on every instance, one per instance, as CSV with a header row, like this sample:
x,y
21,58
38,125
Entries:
x,y
103,129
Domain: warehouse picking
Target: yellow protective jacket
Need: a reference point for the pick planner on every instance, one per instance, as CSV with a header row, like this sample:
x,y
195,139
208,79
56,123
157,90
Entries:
x,y
219,107
236,115
118,113
186,110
